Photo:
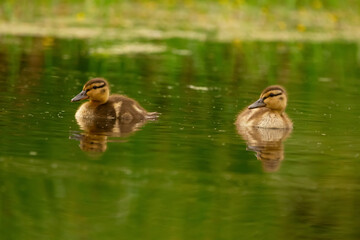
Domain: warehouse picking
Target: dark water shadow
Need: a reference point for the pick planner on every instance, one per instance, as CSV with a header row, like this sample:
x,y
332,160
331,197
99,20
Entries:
x,y
267,144
96,133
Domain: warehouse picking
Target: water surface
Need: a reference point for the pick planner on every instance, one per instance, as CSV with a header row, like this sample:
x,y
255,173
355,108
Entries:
x,y
188,175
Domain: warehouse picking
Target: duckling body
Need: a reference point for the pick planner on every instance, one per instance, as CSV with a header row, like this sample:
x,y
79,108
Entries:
x,y
117,107
268,111
264,118
102,105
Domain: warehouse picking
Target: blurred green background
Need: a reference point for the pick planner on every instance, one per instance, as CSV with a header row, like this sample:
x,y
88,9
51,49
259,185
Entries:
x,y
222,20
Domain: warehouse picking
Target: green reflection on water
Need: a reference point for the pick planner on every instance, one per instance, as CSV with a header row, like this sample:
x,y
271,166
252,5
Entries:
x,y
187,175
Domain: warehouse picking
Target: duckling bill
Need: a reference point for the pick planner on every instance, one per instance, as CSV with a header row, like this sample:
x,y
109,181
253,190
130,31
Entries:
x,y
268,111
103,105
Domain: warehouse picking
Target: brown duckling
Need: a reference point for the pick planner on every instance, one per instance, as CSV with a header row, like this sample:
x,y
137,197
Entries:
x,y
102,105
268,111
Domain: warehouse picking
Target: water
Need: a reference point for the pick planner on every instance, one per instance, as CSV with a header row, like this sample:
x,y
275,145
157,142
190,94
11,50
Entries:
x,y
188,175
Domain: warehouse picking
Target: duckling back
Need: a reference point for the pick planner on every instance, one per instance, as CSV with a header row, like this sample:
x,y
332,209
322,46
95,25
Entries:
x,y
117,107
125,109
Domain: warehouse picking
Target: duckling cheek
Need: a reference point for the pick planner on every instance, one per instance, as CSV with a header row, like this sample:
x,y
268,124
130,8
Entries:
x,y
257,104
82,95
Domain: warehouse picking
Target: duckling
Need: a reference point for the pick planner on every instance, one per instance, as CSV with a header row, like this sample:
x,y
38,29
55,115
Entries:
x,y
102,105
268,111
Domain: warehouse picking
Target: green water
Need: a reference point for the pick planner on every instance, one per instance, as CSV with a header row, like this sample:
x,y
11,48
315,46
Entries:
x,y
188,175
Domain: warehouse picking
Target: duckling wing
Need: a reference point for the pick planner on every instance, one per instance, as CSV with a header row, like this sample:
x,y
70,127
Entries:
x,y
127,108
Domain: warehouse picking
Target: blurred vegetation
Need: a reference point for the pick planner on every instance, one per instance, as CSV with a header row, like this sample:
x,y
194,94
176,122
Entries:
x,y
227,20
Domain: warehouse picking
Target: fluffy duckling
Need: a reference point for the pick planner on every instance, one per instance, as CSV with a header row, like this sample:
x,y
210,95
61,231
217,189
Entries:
x,y
268,111
102,105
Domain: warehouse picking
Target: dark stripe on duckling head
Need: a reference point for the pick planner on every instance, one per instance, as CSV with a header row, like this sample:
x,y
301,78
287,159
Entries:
x,y
272,95
96,80
95,83
95,87
101,86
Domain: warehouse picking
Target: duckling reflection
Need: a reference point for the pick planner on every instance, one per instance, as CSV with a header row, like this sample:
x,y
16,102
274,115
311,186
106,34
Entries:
x,y
98,132
267,143
106,115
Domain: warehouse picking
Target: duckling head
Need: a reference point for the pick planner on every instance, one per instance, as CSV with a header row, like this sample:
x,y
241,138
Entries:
x,y
96,90
273,97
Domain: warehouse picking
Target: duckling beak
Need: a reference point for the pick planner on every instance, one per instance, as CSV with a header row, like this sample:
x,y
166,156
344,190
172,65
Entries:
x,y
82,95
257,104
